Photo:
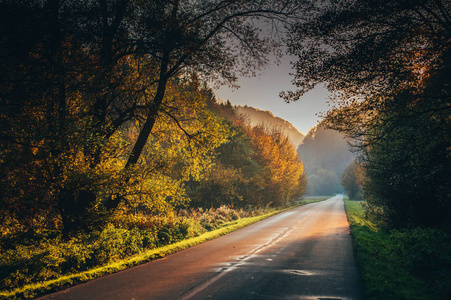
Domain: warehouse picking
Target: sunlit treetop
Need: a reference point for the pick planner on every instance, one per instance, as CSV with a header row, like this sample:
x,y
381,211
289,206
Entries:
x,y
370,48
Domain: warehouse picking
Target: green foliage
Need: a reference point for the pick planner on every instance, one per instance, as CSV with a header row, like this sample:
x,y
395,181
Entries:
x,y
380,275
408,264
408,165
426,253
351,182
392,99
356,214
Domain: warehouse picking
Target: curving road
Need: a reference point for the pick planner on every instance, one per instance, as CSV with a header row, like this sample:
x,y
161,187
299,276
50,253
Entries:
x,y
303,253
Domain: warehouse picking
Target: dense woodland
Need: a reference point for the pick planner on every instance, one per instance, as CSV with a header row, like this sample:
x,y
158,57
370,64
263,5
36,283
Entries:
x,y
103,109
387,64
110,139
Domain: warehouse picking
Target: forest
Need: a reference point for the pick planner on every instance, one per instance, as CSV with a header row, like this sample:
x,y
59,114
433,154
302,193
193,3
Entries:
x,y
111,140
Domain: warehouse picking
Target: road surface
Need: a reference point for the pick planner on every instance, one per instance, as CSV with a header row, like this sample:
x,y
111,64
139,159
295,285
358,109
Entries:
x,y
303,253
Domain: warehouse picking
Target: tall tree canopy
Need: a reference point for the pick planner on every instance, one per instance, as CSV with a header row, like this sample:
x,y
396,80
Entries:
x,y
368,48
388,65
75,74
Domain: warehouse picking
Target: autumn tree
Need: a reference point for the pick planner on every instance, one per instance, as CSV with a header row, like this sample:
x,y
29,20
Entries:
x,y
282,178
199,36
76,73
253,167
368,48
66,89
181,148
232,177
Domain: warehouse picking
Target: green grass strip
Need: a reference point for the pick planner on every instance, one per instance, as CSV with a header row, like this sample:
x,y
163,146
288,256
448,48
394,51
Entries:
x,y
41,288
381,277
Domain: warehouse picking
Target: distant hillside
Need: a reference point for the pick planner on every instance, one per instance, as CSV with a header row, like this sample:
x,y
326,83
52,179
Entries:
x,y
325,154
267,118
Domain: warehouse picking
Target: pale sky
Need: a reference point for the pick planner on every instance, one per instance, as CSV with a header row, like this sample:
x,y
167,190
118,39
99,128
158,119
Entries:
x,y
263,93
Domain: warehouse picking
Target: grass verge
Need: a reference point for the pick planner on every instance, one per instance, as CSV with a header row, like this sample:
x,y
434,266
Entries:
x,y
407,264
41,288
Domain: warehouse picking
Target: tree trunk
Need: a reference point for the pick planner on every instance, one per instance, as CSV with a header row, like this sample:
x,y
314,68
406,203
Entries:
x,y
144,134
73,205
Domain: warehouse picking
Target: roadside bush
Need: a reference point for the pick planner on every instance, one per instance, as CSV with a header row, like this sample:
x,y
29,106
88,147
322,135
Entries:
x,y
50,258
173,231
409,264
425,253
45,260
46,257
214,218
116,243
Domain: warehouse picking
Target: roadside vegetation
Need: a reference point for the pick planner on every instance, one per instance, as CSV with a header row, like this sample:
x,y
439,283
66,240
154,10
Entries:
x,y
35,268
400,264
391,101
111,141
39,265
187,189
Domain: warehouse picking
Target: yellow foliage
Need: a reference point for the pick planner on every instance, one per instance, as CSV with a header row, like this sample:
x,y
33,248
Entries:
x,y
283,171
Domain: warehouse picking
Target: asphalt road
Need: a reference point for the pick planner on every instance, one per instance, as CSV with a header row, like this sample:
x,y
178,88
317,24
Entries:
x,y
303,253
